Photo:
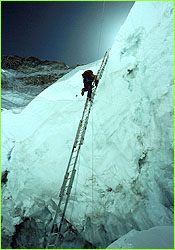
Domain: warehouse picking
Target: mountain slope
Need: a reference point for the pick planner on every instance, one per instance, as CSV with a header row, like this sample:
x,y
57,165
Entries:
x,y
22,79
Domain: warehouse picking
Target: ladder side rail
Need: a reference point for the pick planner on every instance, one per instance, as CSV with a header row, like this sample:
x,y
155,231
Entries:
x,y
82,136
61,194
68,196
59,204
58,207
66,176
82,129
102,69
70,159
54,219
70,184
80,125
86,104
53,223
61,197
104,58
85,125
77,135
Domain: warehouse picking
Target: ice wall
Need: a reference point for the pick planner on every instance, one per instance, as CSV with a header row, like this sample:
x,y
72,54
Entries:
x,y
135,124
137,128
125,170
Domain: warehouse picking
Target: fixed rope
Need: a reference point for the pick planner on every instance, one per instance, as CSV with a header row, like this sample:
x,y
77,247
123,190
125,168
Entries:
x,y
55,235
102,20
92,174
92,182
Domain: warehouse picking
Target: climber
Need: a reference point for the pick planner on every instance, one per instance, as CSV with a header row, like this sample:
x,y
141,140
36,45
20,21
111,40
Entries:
x,y
88,78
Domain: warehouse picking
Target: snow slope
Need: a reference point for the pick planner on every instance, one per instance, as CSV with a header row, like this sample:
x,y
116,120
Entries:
x,y
125,170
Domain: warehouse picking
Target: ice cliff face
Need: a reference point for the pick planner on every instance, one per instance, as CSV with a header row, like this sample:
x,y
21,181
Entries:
x,y
125,171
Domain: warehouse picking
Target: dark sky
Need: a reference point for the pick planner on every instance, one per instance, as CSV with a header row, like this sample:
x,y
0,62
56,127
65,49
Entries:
x,y
63,31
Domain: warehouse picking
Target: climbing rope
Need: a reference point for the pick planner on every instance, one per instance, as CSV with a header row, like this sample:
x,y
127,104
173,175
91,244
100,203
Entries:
x,y
92,156
100,34
101,28
92,178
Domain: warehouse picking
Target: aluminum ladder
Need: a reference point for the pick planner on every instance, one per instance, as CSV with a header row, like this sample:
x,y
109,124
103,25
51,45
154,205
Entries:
x,y
55,232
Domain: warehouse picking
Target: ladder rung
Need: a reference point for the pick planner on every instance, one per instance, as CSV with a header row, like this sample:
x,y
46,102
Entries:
x,y
70,172
54,233
81,130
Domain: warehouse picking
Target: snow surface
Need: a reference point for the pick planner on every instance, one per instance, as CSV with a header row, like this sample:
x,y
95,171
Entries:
x,y
154,238
125,171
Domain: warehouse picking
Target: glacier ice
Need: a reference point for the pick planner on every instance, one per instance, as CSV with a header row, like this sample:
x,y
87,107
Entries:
x,y
125,170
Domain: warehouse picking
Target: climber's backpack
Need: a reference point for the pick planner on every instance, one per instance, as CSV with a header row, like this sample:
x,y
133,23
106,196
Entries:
x,y
88,74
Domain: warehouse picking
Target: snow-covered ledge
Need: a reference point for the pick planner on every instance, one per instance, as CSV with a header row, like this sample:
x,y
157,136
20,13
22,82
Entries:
x,y
154,238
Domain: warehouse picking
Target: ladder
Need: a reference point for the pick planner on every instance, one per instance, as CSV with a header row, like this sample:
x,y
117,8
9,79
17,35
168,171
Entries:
x,y
55,232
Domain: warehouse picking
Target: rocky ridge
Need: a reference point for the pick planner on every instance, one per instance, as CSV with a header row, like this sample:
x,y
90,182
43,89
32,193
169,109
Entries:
x,y
24,78
33,70
30,64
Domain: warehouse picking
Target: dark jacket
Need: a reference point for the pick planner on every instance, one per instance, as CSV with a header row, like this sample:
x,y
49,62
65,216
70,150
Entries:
x,y
88,78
